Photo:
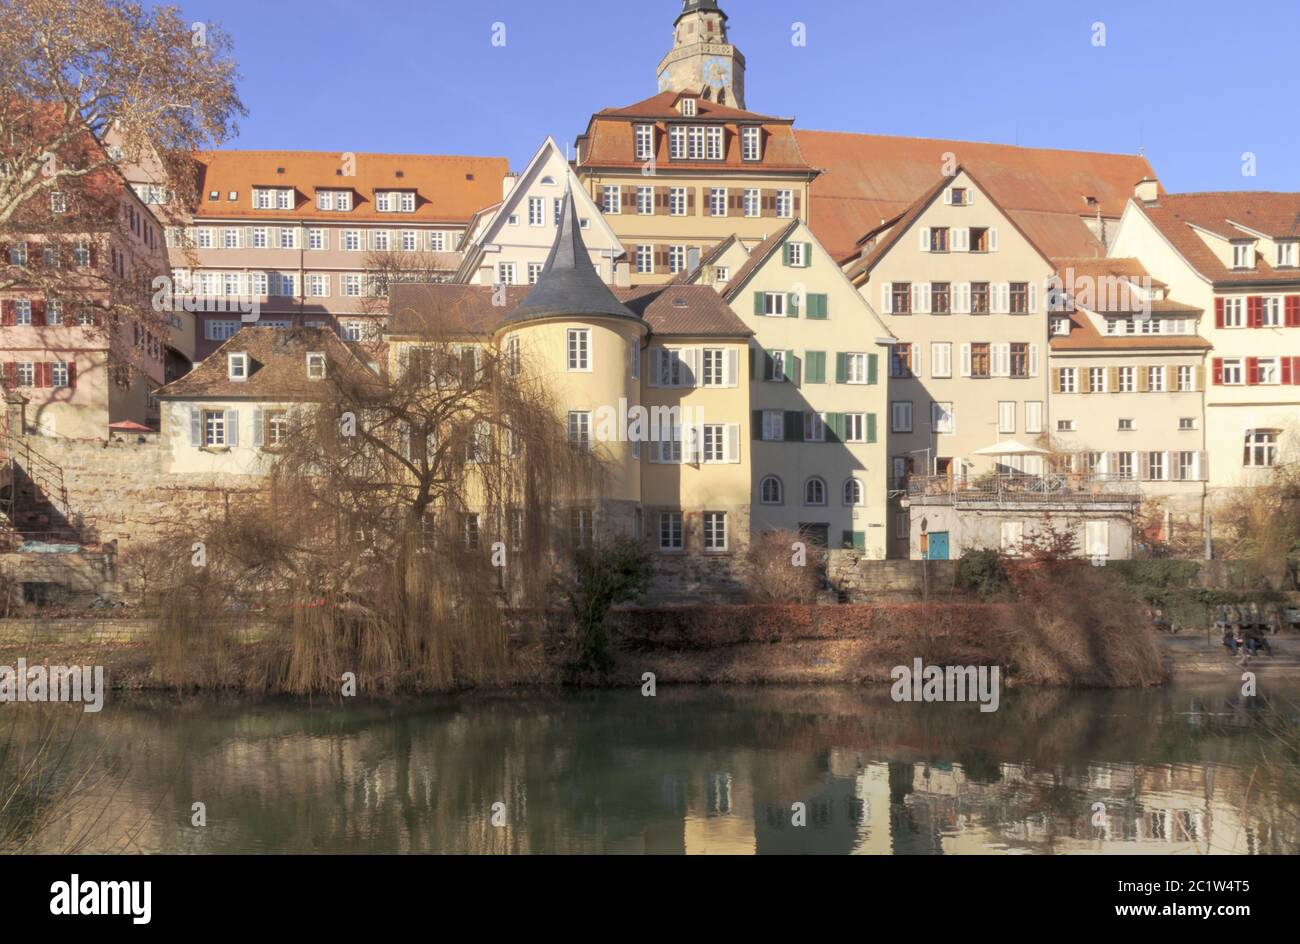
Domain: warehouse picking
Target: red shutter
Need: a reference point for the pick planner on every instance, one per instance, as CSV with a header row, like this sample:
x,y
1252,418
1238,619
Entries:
x,y
1218,312
72,375
44,374
1287,373
93,255
38,311
1254,312
1252,370
7,316
1218,370
1293,311
11,374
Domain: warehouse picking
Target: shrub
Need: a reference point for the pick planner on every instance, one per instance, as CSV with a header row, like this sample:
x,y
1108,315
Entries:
x,y
771,571
981,572
602,577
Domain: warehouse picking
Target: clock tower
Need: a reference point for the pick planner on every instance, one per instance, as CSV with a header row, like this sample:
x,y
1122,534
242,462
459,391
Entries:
x,y
702,60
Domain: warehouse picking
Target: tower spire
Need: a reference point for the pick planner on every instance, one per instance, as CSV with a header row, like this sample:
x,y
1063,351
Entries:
x,y
702,60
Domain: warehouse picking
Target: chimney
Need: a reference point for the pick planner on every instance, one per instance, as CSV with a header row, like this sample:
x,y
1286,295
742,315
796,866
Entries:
x,y
508,183
1147,190
692,259
623,274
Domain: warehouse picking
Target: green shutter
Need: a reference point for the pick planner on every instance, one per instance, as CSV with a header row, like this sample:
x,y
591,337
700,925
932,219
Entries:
x,y
753,361
785,254
791,368
871,427
758,424
834,427
792,305
871,367
768,366
814,367
859,540
816,307
841,368
807,254
793,426
846,540
758,303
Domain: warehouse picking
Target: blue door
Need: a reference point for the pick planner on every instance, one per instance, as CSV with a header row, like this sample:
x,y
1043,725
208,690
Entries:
x,y
938,545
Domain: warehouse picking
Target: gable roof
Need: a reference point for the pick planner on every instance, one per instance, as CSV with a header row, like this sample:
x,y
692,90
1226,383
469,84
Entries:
x,y
707,258
448,189
894,229
870,178
444,310
277,367
757,256
1276,215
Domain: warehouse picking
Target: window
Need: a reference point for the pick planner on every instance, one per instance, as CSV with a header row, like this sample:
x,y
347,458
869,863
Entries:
x,y
340,200
1155,379
316,365
220,330
980,360
276,427
856,368
677,201
940,298
676,258
580,429
900,360
1234,312
853,493
1266,370
1019,298
1271,311
26,374
645,142
1261,448
695,143
53,312
1066,426
751,143
717,201
774,304
611,202
506,273
957,196
352,240
1033,416
1186,423
941,359
670,531
1232,370
1019,360
1124,461
379,240
942,418
855,427
1097,379
773,425
58,202
796,254
814,427
582,526
713,144
237,366
645,258
22,311
1186,466
785,204
979,239
715,442
713,367
688,107
979,298
645,201
1006,416
59,374
1287,253
814,491
1156,470
469,530
318,286
900,412
1127,379
1243,255
579,345
350,286
214,428
535,272
715,530
938,239
753,202
1126,424
770,491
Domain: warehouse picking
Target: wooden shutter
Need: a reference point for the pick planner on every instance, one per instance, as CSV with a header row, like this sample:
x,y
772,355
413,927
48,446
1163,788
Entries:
x,y
1252,371
1112,379
873,367
871,427
1056,380
72,375
196,424
1218,312
690,201
1254,311
1218,370
887,297
1142,383
1293,311
841,368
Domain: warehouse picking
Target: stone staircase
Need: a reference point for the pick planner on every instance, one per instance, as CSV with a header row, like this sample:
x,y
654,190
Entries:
x,y
33,497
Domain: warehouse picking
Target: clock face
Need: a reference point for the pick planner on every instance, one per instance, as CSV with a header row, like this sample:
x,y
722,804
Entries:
x,y
717,72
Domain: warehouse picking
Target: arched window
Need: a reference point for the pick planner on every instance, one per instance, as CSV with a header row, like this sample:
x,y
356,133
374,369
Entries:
x,y
548,181
814,492
853,492
770,491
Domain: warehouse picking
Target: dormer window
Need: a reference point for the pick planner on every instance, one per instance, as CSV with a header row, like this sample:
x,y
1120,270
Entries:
x,y
1287,253
1243,255
395,201
237,366
334,200
688,107
316,366
645,142
1060,326
752,143
233,196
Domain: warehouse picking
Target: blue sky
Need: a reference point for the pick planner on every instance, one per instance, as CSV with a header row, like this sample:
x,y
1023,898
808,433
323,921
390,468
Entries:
x,y
1193,82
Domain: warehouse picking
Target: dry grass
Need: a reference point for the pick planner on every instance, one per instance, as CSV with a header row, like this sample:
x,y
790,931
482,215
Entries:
x,y
770,571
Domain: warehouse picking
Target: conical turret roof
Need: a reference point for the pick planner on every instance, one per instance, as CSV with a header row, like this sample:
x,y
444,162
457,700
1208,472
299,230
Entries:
x,y
569,283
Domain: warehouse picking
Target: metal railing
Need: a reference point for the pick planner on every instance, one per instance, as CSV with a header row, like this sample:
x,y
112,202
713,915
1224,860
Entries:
x,y
1018,488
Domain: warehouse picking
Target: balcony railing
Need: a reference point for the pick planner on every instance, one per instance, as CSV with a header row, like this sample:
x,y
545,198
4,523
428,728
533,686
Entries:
x,y
1019,488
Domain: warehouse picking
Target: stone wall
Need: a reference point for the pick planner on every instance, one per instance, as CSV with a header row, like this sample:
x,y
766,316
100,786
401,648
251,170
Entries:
x,y
70,577
120,491
858,577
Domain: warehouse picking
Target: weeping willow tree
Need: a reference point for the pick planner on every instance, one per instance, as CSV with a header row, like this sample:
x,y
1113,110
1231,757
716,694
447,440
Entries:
x,y
408,526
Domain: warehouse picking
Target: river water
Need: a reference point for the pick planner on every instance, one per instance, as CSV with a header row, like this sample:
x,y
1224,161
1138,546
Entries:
x,y
1179,770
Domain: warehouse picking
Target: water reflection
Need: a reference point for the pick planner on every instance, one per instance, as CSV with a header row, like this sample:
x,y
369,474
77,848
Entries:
x,y
692,771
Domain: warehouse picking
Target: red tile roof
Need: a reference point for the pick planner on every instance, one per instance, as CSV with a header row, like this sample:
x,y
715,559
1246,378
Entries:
x,y
1274,214
449,189
871,178
1084,336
